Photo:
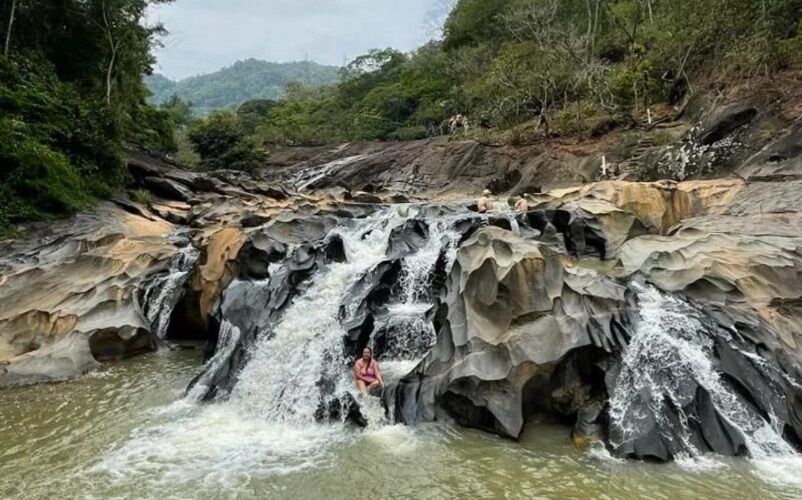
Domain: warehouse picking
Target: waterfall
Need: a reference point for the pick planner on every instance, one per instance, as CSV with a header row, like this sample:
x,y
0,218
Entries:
x,y
162,293
227,339
671,350
309,176
282,381
409,328
301,363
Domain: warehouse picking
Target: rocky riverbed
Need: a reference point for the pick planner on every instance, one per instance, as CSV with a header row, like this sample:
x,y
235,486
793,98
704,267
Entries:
x,y
660,318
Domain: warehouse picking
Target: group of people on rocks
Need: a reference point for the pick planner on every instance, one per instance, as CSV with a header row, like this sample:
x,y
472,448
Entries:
x,y
486,204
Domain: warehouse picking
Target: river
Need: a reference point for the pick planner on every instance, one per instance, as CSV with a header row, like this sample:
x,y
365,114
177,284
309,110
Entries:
x,y
127,432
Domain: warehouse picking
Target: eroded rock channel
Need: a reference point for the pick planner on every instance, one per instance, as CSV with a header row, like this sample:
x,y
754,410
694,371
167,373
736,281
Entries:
x,y
660,319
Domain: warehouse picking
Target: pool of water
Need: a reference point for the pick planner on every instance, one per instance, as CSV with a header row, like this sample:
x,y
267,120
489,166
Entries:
x,y
127,432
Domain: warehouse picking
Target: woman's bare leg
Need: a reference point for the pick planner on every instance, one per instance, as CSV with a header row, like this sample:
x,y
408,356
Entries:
x,y
374,386
362,386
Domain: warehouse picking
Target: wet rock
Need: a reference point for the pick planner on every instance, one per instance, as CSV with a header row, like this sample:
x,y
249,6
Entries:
x,y
363,197
407,238
254,220
357,313
342,409
511,312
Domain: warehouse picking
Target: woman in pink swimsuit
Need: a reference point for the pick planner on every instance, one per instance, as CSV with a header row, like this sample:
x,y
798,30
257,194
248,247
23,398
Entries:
x,y
366,372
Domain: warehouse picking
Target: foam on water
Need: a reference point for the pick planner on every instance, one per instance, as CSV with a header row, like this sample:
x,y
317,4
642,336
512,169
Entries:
x,y
217,444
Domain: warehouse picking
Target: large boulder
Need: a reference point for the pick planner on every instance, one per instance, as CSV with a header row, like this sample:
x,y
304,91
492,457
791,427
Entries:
x,y
513,310
69,296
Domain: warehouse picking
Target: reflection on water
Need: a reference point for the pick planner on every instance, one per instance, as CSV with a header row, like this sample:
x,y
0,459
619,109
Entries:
x,y
126,432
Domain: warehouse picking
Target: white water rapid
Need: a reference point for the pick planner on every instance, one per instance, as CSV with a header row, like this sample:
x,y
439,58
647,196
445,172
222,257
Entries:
x,y
670,346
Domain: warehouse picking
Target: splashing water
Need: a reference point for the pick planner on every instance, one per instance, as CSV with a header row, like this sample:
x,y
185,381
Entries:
x,y
671,346
281,382
410,332
163,292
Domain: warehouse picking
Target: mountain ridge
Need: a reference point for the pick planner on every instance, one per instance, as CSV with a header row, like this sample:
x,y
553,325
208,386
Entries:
x,y
240,82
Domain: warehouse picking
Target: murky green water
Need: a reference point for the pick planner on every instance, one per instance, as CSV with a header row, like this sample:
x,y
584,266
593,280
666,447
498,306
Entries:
x,y
126,433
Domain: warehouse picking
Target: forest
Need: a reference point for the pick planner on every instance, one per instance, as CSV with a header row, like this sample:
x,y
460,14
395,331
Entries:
x,y
242,81
536,68
71,95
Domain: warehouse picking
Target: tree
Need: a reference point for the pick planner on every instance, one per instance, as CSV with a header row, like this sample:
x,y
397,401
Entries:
x,y
222,143
10,27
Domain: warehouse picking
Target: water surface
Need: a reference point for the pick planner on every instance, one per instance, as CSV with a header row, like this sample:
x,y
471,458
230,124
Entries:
x,y
127,432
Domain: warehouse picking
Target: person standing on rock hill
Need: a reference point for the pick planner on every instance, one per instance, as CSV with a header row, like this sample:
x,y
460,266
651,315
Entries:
x,y
485,203
367,373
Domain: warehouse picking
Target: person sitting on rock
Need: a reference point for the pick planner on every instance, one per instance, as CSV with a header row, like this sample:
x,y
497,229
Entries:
x,y
485,203
522,205
367,373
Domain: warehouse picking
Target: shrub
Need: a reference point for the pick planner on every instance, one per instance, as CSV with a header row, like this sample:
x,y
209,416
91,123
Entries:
x,y
222,143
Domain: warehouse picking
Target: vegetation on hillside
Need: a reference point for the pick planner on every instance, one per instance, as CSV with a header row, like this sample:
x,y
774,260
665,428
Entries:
x,y
243,81
544,67
70,93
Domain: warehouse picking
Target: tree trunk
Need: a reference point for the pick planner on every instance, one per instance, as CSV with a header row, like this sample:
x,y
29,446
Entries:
x,y
10,26
109,72
113,57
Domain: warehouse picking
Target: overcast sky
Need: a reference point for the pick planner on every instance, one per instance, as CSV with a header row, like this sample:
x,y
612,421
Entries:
x,y
206,35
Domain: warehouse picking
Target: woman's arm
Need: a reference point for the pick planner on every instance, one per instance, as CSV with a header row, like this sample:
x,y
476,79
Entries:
x,y
357,372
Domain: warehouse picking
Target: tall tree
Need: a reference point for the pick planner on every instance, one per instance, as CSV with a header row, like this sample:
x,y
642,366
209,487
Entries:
x,y
10,27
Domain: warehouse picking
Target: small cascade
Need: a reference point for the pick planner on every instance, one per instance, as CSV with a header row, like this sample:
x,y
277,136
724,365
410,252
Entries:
x,y
309,176
669,355
407,325
504,209
162,293
226,343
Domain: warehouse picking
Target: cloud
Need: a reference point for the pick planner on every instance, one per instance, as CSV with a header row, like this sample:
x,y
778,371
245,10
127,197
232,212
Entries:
x,y
206,35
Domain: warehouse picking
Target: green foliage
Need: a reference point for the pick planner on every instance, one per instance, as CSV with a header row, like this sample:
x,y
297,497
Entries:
x,y
36,180
222,143
473,22
243,81
252,113
559,66
70,93
54,113
141,196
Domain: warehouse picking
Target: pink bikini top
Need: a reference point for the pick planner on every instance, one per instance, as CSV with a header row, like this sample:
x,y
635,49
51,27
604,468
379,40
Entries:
x,y
369,372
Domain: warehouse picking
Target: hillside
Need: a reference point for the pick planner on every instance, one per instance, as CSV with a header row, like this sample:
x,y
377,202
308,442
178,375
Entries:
x,y
240,82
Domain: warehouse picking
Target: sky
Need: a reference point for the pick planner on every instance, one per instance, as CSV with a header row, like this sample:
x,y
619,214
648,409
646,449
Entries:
x,y
206,35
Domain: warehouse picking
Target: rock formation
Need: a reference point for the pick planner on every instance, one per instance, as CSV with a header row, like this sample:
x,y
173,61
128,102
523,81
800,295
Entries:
x,y
658,317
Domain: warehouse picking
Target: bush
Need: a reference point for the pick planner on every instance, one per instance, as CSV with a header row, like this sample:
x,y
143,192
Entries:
x,y
37,182
222,143
413,133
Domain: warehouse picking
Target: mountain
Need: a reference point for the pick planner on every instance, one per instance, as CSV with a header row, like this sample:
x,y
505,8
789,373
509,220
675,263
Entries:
x,y
240,82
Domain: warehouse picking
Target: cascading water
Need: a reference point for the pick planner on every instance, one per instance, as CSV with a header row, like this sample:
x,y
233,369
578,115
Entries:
x,y
282,380
409,329
163,292
307,177
670,351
